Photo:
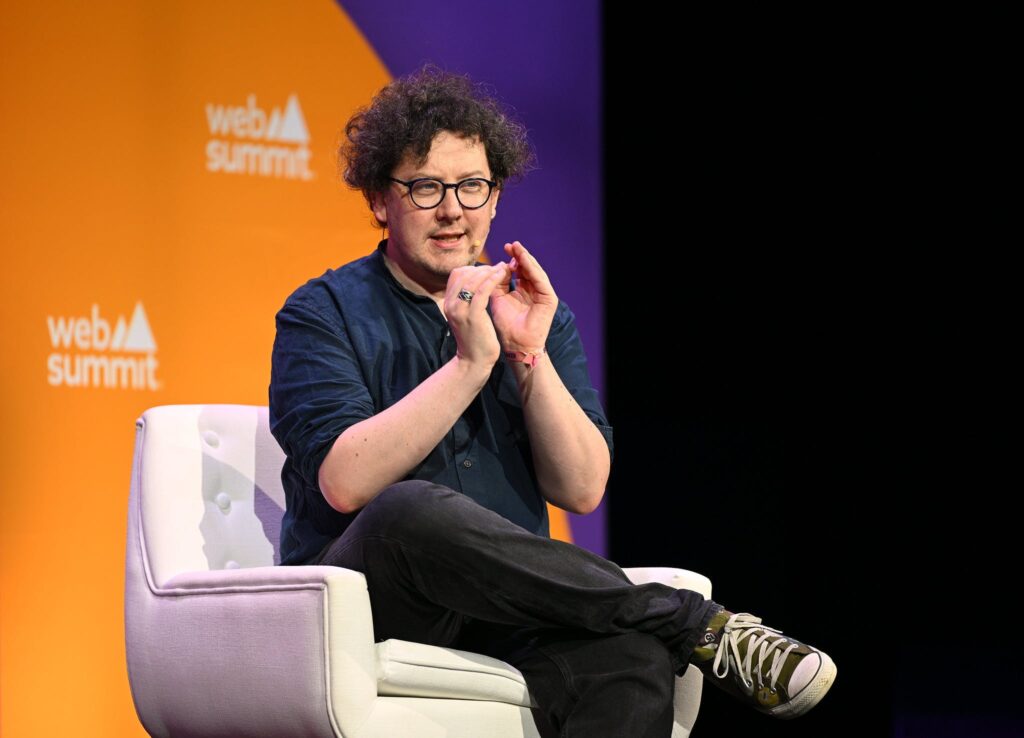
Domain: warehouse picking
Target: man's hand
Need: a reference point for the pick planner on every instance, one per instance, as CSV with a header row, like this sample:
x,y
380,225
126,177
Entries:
x,y
522,317
474,332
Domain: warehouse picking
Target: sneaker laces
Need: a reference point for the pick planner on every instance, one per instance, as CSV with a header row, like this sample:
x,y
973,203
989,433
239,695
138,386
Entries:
x,y
742,627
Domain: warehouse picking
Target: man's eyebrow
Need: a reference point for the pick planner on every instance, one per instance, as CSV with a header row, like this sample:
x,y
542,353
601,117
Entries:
x,y
476,173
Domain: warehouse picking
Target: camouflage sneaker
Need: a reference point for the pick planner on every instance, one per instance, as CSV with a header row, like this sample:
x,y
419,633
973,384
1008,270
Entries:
x,y
791,677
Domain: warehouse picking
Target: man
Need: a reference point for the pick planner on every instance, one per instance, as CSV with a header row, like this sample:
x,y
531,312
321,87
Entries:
x,y
430,404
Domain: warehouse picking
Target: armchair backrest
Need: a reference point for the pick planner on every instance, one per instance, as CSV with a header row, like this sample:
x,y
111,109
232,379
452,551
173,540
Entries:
x,y
208,480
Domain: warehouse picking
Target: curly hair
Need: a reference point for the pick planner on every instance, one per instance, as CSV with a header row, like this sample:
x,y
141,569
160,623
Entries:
x,y
407,114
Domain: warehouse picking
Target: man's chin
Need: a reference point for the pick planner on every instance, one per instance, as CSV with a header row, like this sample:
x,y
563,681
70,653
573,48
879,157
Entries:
x,y
443,268
466,258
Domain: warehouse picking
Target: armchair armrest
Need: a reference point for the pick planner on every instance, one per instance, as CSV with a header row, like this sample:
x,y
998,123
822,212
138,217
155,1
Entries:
x,y
295,642
678,578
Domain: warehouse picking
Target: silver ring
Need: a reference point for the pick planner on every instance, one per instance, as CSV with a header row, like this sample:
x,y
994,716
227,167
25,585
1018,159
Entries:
x,y
466,295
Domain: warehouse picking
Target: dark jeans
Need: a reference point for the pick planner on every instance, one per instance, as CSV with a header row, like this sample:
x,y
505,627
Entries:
x,y
598,653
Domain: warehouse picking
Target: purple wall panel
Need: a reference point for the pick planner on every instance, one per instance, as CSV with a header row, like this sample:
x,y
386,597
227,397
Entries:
x,y
544,61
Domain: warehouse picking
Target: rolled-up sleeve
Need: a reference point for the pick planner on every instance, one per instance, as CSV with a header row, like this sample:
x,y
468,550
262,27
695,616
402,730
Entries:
x,y
317,389
565,350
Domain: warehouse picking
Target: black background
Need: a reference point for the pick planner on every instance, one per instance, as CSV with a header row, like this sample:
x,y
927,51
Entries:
x,y
809,326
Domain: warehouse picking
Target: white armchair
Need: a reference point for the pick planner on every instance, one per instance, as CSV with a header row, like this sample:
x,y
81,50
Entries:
x,y
222,642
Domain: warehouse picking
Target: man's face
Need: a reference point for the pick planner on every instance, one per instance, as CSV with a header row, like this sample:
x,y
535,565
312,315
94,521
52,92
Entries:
x,y
414,243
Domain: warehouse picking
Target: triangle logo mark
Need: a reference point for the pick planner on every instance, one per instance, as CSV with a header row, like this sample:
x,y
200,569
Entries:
x,y
292,127
140,337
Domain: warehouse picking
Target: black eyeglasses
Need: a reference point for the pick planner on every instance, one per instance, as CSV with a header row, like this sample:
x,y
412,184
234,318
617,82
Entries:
x,y
428,193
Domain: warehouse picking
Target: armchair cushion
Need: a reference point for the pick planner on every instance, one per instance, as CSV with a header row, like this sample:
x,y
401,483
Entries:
x,y
407,669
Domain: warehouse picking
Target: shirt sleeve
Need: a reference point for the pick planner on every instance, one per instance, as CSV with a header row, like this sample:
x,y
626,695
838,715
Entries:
x,y
565,349
317,389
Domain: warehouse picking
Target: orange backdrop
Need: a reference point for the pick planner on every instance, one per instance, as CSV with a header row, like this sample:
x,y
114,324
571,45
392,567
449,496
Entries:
x,y
168,180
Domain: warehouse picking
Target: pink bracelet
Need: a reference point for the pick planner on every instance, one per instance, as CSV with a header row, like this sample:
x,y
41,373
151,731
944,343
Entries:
x,y
526,357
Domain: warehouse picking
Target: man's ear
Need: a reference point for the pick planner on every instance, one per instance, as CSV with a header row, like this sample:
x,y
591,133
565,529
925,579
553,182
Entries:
x,y
379,206
494,203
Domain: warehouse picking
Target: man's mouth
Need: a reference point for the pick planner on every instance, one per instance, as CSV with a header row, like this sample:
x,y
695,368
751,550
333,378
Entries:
x,y
447,239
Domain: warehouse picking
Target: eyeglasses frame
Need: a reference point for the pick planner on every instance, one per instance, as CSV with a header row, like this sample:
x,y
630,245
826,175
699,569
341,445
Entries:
x,y
448,186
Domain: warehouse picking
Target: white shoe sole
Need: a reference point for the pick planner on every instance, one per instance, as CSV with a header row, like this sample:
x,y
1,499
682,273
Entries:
x,y
811,694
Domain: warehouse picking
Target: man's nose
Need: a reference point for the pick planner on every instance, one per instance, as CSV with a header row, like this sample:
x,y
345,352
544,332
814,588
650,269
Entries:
x,y
450,207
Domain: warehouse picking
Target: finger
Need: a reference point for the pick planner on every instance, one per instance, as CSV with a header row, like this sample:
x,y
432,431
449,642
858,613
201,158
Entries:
x,y
525,258
505,283
513,263
458,277
481,282
483,289
528,265
481,274
467,277
459,282
499,275
520,254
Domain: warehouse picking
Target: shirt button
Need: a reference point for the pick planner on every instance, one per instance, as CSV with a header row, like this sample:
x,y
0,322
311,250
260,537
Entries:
x,y
467,463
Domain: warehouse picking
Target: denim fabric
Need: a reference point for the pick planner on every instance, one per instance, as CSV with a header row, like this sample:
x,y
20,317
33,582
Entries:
x,y
598,652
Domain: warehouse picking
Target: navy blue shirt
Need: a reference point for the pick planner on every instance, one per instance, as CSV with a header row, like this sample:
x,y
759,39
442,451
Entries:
x,y
353,342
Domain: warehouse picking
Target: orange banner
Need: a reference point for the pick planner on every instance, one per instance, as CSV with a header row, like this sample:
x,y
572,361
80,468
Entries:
x,y
169,178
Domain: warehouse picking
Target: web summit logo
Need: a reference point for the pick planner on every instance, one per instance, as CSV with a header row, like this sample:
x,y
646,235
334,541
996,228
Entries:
x,y
244,139
118,359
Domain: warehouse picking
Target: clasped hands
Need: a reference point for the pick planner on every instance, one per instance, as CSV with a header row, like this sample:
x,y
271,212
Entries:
x,y
520,319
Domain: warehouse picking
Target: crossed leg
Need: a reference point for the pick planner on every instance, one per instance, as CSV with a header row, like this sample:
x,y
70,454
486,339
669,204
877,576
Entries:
x,y
443,570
